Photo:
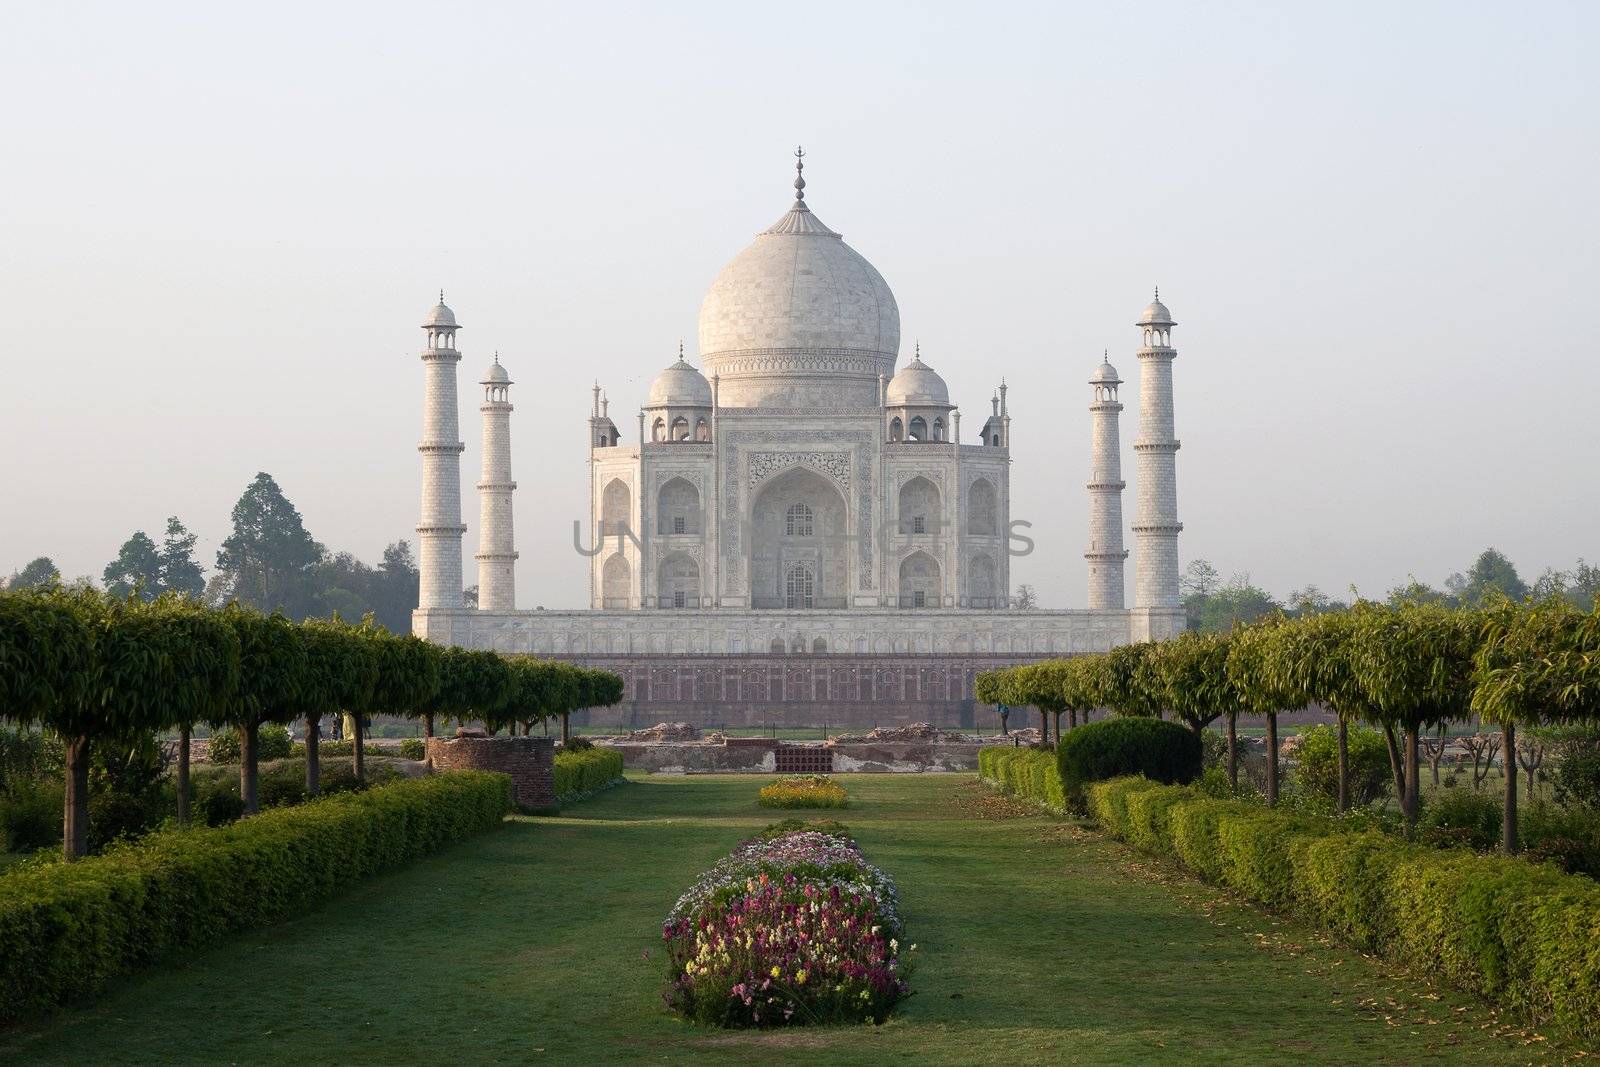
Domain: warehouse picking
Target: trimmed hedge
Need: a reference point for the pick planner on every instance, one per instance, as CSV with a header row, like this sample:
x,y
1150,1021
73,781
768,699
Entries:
x,y
1029,773
586,770
1160,750
67,928
1524,936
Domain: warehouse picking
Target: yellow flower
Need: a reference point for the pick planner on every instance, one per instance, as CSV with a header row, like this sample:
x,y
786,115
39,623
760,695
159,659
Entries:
x,y
800,977
776,972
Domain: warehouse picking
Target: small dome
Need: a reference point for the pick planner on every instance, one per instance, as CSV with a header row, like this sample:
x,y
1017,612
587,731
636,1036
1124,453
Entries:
x,y
1105,374
917,383
496,374
441,315
1155,314
680,386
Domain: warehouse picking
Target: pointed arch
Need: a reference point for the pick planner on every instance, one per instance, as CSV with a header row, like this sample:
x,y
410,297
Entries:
x,y
920,585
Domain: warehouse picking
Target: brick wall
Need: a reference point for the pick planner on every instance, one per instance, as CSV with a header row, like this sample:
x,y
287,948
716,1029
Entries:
x,y
530,761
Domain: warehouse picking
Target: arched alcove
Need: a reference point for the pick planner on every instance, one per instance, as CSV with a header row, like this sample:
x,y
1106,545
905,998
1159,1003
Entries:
x,y
983,508
678,582
920,581
616,582
678,508
616,507
982,582
919,507
799,518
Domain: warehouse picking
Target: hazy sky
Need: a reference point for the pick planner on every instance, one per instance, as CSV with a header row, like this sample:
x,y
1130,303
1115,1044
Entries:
x,y
1375,224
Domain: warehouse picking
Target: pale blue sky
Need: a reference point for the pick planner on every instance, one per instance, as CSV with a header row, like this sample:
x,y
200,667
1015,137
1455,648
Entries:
x,y
1375,224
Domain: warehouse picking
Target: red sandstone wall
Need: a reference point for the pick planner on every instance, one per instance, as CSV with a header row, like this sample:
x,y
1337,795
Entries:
x,y
530,761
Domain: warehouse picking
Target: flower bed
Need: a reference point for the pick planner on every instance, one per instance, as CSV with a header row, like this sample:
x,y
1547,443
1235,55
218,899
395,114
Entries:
x,y
792,930
803,791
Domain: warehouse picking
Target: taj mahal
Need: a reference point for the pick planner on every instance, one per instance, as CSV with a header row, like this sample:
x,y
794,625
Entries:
x,y
797,528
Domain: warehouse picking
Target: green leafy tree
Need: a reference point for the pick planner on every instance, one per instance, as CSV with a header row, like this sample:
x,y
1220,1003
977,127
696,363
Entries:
x,y
1224,607
37,574
272,684
178,570
409,674
1535,665
1415,665
136,570
1415,592
1253,673
1491,574
267,561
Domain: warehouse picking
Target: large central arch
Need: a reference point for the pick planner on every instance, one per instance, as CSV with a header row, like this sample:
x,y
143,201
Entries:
x,y
799,522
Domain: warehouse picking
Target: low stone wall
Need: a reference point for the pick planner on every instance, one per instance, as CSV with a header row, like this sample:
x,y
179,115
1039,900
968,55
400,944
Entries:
x,y
530,761
759,755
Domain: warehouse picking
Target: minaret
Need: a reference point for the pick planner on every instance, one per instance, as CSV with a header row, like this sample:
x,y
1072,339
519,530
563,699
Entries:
x,y
1106,554
440,529
497,555
1156,526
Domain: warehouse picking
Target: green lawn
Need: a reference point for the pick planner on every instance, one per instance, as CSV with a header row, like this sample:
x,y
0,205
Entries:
x,y
1039,943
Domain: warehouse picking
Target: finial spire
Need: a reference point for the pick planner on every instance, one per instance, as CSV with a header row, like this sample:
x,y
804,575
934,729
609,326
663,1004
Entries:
x,y
680,350
917,351
1158,293
441,296
799,173
497,357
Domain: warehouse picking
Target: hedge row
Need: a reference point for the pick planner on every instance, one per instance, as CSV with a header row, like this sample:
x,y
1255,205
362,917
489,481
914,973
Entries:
x,y
67,928
1521,935
1030,773
586,770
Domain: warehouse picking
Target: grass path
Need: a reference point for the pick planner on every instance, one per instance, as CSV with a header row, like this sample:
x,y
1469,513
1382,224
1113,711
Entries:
x,y
1039,943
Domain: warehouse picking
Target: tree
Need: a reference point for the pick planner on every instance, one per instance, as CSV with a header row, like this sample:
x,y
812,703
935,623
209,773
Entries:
x,y
1415,592
409,674
1491,573
36,574
273,677
1534,664
1200,578
266,562
178,570
1254,675
1415,664
1231,605
341,668
136,570
1026,598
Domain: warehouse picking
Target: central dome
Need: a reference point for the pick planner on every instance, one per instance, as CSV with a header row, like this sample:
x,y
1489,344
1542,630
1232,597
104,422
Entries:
x,y
799,319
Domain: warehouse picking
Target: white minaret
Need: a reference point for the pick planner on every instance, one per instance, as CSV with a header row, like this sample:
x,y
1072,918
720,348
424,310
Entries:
x,y
1156,526
496,546
1106,554
440,529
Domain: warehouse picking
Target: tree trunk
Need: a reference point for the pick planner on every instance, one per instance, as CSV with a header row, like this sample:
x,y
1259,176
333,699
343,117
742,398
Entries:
x,y
1044,726
566,729
1396,764
249,735
183,774
1058,727
75,813
313,755
1344,765
1508,822
1413,804
1272,758
1233,750
358,754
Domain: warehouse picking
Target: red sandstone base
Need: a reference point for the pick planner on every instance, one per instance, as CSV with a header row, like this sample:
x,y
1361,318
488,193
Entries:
x,y
530,761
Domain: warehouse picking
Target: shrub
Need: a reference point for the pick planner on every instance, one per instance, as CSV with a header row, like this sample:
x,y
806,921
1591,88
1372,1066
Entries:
x,y
1317,763
218,805
1462,817
1159,750
66,928
1567,837
794,930
580,773
223,747
577,744
1523,935
30,815
414,748
803,791
1028,773
1576,774
28,754
829,827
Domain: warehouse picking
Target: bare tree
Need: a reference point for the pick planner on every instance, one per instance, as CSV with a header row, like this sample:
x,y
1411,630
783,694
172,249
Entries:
x,y
1025,598
1530,753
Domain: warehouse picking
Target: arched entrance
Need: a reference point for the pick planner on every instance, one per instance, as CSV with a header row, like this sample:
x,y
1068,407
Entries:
x,y
800,544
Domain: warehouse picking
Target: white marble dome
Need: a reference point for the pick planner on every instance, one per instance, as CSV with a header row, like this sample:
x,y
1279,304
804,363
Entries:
x,y
680,386
799,319
917,383
440,316
1155,314
1105,374
496,374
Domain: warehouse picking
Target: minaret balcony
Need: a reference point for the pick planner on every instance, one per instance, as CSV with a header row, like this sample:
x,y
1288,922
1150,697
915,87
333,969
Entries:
x,y
1157,446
